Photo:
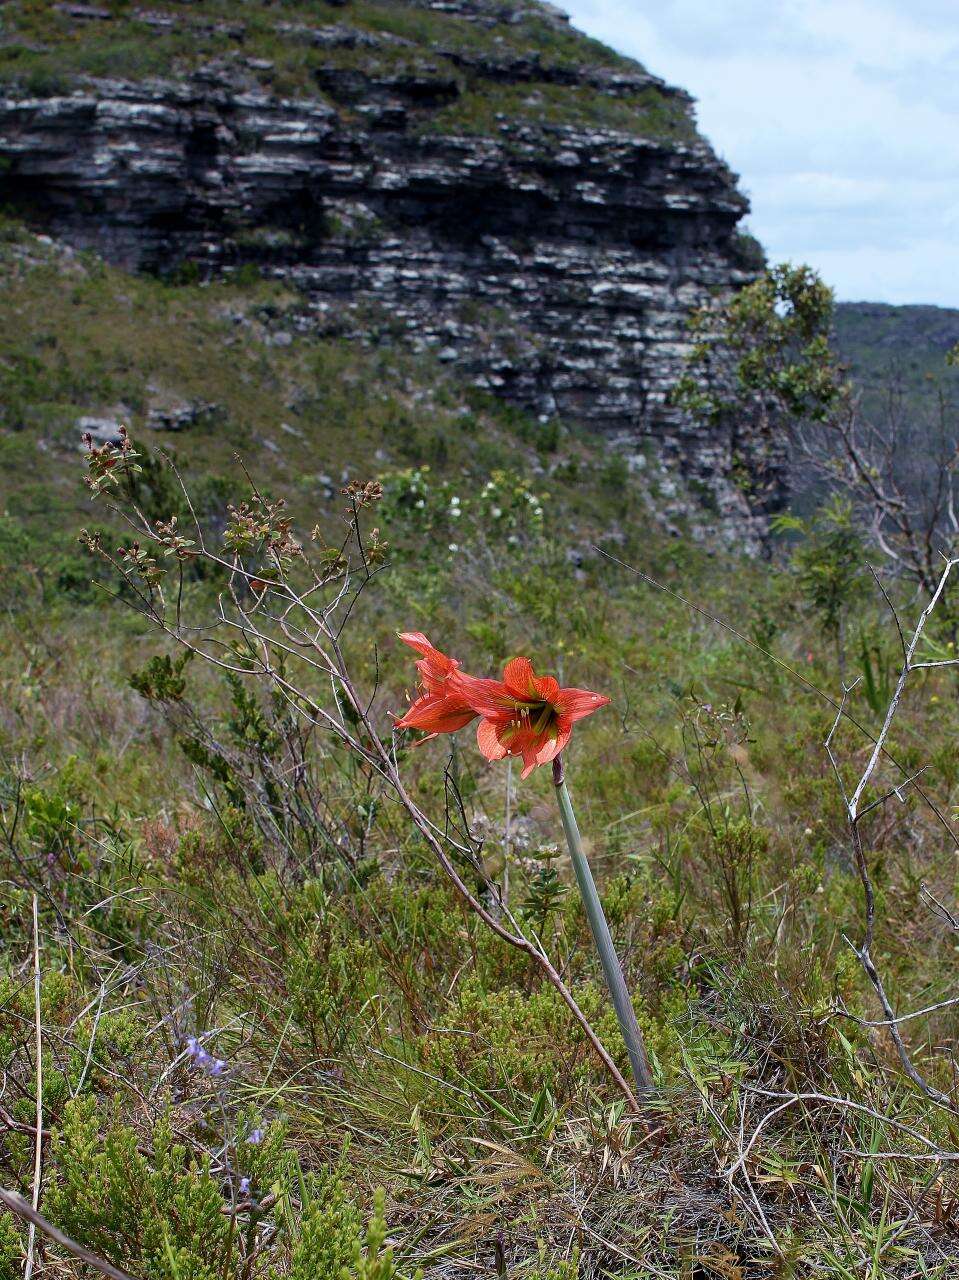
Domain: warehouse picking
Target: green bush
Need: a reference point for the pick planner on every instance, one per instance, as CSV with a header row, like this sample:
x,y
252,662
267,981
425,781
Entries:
x,y
164,1214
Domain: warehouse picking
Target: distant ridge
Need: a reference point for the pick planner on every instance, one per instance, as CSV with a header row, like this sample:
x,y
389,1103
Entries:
x,y
877,339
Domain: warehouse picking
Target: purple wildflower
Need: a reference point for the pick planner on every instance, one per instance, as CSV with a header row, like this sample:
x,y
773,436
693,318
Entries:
x,y
244,1186
255,1138
205,1061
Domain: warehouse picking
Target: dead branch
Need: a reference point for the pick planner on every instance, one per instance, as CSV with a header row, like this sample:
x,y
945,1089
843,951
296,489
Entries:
x,y
25,1210
856,812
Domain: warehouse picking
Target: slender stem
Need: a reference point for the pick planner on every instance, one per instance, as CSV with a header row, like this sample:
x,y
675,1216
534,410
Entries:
x,y
38,1152
508,831
612,969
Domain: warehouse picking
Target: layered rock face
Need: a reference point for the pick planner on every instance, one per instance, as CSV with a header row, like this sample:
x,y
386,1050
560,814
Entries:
x,y
552,262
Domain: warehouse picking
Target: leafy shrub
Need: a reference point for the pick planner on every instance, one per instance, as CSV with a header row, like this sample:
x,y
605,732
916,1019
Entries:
x,y
165,1214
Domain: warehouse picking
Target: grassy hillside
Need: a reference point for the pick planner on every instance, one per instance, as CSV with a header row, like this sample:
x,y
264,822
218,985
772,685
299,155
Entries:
x,y
212,874
461,54
250,374
895,358
886,345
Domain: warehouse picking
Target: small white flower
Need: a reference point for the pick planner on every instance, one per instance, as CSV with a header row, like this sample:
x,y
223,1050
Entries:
x,y
496,513
512,540
420,503
455,512
454,501
538,513
454,546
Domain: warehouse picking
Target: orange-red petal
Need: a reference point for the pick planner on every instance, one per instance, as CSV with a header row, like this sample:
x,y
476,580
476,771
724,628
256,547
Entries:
x,y
435,668
487,697
574,704
519,680
488,741
436,713
543,750
521,715
551,749
416,640
522,683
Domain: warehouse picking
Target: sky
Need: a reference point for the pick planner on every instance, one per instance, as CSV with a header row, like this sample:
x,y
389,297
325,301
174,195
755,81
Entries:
x,y
840,116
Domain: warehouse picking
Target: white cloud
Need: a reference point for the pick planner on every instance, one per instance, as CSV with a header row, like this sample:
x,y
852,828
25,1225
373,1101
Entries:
x,y
839,115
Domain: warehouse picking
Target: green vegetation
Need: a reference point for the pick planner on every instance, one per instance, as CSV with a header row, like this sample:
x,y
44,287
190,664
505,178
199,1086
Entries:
x,y
829,565
275,1041
898,349
47,48
776,333
765,366
651,113
78,338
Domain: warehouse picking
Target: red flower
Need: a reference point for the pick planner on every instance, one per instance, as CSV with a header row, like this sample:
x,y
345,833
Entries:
x,y
521,715
525,714
435,668
442,707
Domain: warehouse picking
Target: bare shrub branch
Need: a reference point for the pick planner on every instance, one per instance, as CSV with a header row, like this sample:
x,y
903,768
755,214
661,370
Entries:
x,y
856,812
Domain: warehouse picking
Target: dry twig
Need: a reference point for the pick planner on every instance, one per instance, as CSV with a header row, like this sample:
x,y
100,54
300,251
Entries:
x,y
38,1149
24,1209
856,811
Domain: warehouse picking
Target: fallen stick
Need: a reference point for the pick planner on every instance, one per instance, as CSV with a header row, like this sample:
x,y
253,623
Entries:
x,y
24,1209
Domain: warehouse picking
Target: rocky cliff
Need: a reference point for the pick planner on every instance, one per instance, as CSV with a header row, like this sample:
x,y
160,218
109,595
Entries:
x,y
468,176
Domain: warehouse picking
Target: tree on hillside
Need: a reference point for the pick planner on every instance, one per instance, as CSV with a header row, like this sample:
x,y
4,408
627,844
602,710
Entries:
x,y
765,360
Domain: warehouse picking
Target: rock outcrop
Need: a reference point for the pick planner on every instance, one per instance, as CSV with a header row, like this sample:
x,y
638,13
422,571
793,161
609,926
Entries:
x,y
551,260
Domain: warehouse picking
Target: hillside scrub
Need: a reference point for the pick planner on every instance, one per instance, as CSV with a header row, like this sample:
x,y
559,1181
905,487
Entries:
x,y
276,1037
319,981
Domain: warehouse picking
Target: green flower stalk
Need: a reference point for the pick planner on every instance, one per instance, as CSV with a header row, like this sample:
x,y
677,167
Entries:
x,y
612,969
530,716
